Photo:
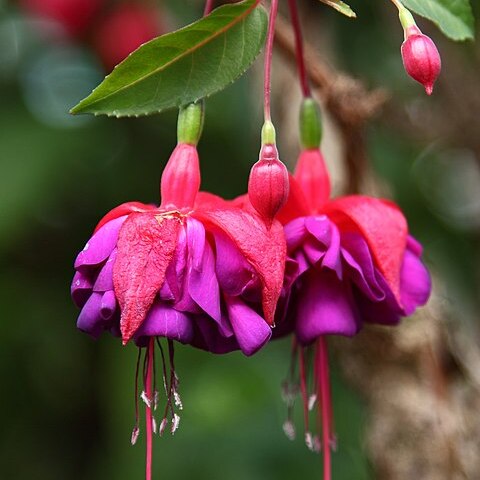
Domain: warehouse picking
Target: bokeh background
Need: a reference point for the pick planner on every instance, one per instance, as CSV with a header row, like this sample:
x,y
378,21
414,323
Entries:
x,y
67,401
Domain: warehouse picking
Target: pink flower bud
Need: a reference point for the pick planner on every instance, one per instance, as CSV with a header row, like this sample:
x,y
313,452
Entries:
x,y
421,58
122,31
268,183
181,178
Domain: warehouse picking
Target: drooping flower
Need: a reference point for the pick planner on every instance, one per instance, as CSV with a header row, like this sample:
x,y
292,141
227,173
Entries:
x,y
355,263
196,269
420,55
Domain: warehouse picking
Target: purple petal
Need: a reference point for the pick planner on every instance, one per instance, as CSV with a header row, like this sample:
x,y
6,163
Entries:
x,y
321,228
104,280
295,233
173,286
251,330
415,282
100,246
233,271
208,337
164,321
81,289
325,307
90,320
361,269
203,285
108,305
196,242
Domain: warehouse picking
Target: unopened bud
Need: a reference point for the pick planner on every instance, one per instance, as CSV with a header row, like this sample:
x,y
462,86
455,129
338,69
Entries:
x,y
421,58
181,178
268,184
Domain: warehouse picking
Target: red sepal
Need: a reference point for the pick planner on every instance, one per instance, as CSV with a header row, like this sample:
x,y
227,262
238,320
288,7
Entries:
x,y
296,205
383,226
146,245
264,248
123,209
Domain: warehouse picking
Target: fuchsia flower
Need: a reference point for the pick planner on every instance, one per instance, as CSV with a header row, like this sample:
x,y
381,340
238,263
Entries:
x,y
196,269
355,263
420,55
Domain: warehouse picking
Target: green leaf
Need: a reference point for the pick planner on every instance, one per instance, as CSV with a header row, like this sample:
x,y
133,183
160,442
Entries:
x,y
183,66
453,17
341,7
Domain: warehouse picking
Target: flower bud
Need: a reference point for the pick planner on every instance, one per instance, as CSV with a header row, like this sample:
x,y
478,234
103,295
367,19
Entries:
x,y
421,58
181,178
268,184
121,32
75,16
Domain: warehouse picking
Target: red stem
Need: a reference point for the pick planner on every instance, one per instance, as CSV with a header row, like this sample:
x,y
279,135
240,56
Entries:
x,y
148,409
209,4
326,410
297,29
267,86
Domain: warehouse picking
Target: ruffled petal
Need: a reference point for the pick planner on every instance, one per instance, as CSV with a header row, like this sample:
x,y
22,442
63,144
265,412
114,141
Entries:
x,y
415,282
324,307
81,288
361,269
233,271
108,305
101,245
251,330
104,280
203,285
90,319
164,321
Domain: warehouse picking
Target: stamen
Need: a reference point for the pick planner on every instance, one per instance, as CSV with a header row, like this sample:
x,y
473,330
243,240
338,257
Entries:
x,y
175,423
163,425
312,442
312,399
303,389
289,430
145,399
135,434
136,429
148,410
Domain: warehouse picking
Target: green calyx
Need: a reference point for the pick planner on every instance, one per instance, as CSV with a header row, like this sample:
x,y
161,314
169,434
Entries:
x,y
268,133
406,18
310,124
190,123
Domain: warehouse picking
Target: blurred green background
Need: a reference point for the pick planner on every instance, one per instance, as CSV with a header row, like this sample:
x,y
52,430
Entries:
x,y
68,401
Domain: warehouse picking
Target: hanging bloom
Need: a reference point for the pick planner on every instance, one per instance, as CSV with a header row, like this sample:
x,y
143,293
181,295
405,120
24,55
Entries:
x,y
355,264
420,55
196,270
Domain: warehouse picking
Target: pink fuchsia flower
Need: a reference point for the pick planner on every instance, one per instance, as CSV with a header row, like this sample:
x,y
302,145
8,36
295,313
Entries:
x,y
355,263
420,55
196,270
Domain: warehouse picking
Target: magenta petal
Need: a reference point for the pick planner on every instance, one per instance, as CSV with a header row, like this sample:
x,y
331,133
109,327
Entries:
x,y
164,321
415,282
203,285
196,242
100,246
327,233
251,330
108,305
233,271
295,233
81,289
208,337
90,320
104,280
361,270
325,307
